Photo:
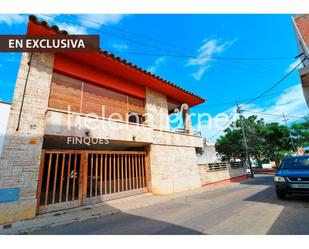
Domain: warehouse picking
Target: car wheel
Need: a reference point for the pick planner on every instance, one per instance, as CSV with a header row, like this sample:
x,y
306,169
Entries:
x,y
281,195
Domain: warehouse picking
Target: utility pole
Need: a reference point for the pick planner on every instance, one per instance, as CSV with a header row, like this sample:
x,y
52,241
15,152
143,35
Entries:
x,y
245,139
291,138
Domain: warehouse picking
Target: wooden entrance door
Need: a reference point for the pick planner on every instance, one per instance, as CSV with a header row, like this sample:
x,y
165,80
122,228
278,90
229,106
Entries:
x,y
60,180
114,174
70,178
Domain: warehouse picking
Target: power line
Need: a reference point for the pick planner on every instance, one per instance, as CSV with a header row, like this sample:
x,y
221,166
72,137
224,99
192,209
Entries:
x,y
276,84
213,60
153,39
232,103
112,35
203,57
240,68
272,114
135,34
190,56
221,129
175,54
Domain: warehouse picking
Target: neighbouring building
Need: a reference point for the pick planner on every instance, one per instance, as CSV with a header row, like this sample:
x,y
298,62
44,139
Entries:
x,y
209,154
86,127
301,26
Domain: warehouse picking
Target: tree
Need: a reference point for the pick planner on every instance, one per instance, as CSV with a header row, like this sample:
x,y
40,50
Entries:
x,y
231,145
265,141
276,142
300,132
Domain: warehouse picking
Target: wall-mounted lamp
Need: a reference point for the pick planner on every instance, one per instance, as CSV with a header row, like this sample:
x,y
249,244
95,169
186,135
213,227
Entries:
x,y
32,126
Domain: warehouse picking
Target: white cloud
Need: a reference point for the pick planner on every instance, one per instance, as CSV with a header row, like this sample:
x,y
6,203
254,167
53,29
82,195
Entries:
x,y
205,53
293,65
156,63
72,29
96,21
200,72
291,102
12,19
47,18
212,128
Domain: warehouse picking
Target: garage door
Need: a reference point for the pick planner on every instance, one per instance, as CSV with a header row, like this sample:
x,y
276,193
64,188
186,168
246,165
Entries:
x,y
74,178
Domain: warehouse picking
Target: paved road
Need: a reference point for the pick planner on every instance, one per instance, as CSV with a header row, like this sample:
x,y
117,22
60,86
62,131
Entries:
x,y
250,207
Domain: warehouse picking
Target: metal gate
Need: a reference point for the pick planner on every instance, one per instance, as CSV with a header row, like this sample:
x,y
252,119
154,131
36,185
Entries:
x,y
70,178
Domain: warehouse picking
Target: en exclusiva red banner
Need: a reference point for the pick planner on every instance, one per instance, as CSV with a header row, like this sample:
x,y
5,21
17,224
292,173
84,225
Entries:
x,y
59,43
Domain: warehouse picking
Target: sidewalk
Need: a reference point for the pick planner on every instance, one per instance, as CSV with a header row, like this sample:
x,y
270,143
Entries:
x,y
97,210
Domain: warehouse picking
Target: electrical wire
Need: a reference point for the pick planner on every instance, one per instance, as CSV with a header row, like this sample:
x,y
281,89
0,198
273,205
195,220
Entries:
x,y
272,114
174,54
217,133
135,34
276,84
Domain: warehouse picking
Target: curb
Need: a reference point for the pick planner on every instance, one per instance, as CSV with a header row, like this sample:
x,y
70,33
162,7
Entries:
x,y
225,181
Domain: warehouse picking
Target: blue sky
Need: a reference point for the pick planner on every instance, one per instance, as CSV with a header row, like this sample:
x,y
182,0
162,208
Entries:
x,y
202,36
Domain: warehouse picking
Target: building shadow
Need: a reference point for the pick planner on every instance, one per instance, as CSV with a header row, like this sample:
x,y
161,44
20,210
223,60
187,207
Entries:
x,y
259,179
117,223
294,217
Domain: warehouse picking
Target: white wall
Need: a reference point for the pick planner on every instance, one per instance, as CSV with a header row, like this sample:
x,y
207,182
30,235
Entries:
x,y
4,116
209,154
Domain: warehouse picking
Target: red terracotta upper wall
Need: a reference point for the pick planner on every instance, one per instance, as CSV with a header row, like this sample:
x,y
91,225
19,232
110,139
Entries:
x,y
68,64
302,23
102,68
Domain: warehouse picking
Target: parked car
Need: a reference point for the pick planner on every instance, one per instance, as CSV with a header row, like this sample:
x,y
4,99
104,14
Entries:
x,y
292,176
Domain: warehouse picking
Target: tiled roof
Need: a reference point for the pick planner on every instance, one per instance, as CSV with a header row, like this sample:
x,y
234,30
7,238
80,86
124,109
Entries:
x,y
55,28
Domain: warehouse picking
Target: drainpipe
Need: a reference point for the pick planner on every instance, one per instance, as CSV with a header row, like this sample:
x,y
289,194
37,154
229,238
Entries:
x,y
23,97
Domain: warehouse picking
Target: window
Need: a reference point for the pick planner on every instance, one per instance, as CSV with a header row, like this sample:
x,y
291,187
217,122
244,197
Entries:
x,y
82,97
135,118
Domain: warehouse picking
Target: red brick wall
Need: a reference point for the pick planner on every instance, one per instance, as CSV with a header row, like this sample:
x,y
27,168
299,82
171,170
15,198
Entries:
x,y
302,23
305,80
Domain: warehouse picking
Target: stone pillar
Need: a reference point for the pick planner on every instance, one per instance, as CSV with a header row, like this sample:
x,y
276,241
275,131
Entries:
x,y
187,119
20,159
157,110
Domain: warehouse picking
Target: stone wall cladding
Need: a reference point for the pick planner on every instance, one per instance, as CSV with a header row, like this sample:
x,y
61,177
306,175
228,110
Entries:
x,y
157,110
172,156
20,159
176,139
219,175
173,169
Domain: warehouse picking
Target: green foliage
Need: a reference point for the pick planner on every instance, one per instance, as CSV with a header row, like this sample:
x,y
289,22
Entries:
x,y
276,141
300,132
266,142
